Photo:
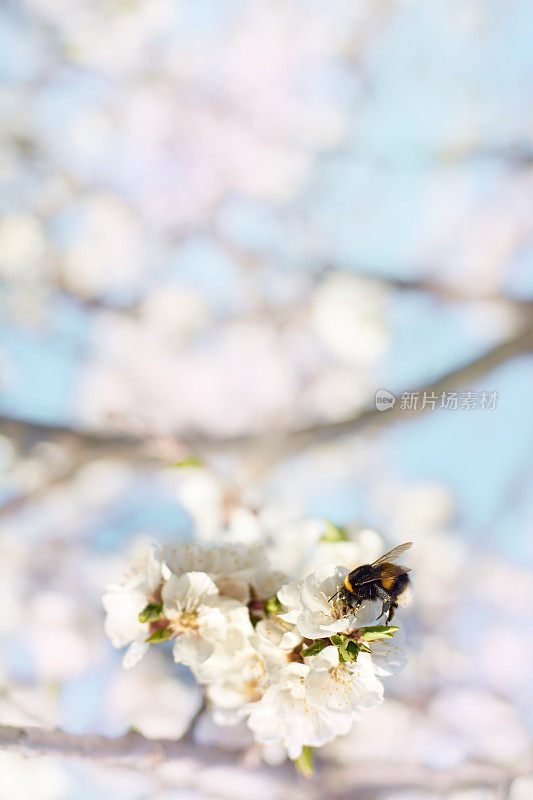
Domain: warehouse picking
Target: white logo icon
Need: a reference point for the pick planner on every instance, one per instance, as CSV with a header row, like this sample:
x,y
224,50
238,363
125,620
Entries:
x,y
384,400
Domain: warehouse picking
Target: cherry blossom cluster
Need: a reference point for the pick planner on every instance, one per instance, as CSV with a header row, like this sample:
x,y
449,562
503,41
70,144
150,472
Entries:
x,y
296,665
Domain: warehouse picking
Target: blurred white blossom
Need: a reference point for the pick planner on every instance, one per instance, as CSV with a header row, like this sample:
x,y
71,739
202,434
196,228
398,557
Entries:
x,y
27,779
348,316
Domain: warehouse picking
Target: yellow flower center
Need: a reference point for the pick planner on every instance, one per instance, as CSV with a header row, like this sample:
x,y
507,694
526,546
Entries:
x,y
185,618
341,674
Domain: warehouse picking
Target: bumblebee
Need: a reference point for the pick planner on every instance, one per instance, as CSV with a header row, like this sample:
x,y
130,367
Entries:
x,y
382,580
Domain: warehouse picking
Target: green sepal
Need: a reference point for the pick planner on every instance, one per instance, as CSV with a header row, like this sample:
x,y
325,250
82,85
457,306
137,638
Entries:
x,y
333,533
314,648
338,638
273,605
348,651
151,612
305,762
188,461
374,633
160,635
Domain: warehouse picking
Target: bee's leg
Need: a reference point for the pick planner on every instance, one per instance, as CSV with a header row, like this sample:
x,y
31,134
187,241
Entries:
x,y
392,609
385,600
384,608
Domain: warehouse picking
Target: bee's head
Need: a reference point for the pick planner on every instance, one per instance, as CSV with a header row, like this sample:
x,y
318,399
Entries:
x,y
343,595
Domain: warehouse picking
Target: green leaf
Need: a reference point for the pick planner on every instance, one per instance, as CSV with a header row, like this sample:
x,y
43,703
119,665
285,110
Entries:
x,y
151,612
189,461
314,648
160,635
333,533
374,633
305,762
273,605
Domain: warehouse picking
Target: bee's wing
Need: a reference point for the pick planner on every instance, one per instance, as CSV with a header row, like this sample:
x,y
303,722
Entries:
x,y
382,571
396,551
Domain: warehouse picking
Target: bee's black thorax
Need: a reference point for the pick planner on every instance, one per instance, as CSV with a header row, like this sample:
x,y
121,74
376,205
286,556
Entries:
x,y
383,580
356,591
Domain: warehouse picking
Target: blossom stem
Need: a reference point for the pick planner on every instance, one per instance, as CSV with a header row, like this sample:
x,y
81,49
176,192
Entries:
x,y
305,762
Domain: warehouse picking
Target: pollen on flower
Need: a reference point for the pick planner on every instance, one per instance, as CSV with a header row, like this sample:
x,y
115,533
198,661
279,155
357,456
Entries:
x,y
341,674
185,621
253,689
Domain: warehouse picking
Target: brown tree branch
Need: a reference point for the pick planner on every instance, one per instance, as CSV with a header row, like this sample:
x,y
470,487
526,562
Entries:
x,y
131,748
461,377
90,444
443,291
134,750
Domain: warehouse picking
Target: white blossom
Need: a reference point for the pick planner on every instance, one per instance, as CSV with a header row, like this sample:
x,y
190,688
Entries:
x,y
347,314
231,649
315,615
213,508
289,596
234,689
275,641
192,606
272,673
388,655
285,715
362,546
240,571
243,662
343,686
123,603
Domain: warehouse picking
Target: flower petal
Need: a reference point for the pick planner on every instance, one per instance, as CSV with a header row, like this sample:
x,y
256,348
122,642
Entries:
x,y
191,648
134,653
193,585
328,658
311,625
289,594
